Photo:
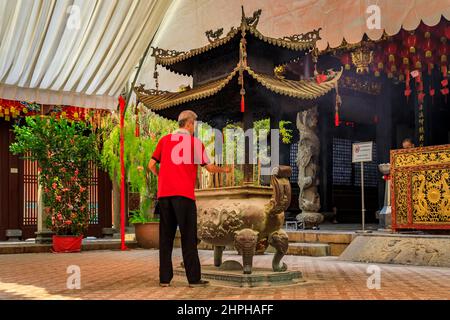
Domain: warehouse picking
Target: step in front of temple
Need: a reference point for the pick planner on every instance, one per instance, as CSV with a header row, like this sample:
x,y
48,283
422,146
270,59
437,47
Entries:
x,y
319,243
315,243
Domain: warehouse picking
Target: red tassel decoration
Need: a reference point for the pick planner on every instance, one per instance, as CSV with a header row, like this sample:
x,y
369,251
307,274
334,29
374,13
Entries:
x,y
242,104
137,131
122,174
336,119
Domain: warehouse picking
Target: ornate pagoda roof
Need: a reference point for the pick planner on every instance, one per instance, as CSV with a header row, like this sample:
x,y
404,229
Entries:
x,y
297,42
301,89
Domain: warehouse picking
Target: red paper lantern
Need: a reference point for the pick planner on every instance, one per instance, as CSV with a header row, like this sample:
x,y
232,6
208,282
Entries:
x,y
404,53
428,47
411,42
416,61
378,60
391,50
443,52
447,31
346,60
426,30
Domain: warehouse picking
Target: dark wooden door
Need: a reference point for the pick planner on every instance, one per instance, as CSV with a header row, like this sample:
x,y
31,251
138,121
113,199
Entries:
x,y
10,189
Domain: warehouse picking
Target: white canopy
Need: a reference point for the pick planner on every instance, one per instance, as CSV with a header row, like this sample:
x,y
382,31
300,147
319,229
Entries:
x,y
185,23
73,52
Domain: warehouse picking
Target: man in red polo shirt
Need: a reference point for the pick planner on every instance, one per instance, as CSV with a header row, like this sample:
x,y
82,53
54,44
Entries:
x,y
178,154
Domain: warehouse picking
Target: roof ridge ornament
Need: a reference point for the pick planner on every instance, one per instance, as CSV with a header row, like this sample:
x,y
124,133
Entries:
x,y
165,53
304,37
150,92
214,35
251,21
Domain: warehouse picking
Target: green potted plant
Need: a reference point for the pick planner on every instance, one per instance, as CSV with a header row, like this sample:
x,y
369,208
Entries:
x,y
146,229
63,150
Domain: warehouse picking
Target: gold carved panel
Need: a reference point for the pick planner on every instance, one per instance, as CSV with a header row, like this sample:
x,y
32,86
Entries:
x,y
420,185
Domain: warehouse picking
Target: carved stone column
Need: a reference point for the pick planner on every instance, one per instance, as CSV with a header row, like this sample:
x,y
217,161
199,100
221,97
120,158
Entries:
x,y
308,167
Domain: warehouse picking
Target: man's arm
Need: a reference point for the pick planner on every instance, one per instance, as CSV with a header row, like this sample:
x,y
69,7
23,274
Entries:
x,y
152,167
216,169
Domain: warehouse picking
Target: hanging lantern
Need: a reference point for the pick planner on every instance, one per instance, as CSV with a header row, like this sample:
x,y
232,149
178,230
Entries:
x,y
411,42
391,51
447,31
346,60
426,31
376,71
442,52
428,47
416,61
404,53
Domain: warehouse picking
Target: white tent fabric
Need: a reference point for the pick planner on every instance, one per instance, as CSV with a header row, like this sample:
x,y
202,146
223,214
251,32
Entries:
x,y
185,23
73,52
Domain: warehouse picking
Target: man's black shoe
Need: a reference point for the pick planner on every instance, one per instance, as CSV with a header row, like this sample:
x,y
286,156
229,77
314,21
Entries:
x,y
201,283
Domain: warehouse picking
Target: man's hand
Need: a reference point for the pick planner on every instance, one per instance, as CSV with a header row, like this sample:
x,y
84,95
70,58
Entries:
x,y
152,167
216,169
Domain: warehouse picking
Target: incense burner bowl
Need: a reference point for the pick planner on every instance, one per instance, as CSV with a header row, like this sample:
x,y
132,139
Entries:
x,y
244,216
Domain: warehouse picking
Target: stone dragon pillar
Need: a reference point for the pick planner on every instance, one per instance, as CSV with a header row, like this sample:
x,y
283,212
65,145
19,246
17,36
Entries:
x,y
308,166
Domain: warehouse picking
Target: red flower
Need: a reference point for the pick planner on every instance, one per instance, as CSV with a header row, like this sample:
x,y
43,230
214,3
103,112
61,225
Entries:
x,y
68,222
54,185
58,198
82,189
76,172
63,169
59,216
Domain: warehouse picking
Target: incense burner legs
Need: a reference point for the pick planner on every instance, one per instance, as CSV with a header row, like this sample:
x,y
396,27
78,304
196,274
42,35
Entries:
x,y
247,217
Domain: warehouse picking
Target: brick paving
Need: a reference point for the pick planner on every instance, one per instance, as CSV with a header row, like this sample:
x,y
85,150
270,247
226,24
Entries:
x,y
134,275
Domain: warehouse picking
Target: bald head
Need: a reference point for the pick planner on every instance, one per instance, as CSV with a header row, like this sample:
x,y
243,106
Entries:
x,y
185,117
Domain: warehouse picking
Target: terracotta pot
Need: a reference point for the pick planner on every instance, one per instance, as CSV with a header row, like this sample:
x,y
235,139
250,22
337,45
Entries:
x,y
147,235
67,243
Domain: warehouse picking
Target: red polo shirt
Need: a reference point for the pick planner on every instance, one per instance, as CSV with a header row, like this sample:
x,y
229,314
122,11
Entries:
x,y
179,154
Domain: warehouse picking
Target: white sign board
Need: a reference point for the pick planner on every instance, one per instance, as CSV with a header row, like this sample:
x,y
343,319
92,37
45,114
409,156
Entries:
x,y
362,152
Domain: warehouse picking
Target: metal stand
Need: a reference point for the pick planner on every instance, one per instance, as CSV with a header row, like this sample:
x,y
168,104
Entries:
x,y
363,208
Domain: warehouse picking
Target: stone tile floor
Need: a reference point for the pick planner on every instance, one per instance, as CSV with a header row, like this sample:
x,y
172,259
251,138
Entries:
x,y
134,275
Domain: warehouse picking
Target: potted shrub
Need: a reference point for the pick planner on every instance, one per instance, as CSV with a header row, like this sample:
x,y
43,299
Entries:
x,y
146,229
63,150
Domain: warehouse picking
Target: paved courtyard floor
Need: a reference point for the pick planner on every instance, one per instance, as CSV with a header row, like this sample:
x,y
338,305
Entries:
x,y
134,275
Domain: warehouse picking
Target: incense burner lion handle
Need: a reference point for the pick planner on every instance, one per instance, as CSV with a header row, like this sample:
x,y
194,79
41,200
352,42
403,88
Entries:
x,y
244,216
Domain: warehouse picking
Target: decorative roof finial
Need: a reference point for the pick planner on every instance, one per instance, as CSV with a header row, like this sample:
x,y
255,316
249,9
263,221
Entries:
x,y
253,20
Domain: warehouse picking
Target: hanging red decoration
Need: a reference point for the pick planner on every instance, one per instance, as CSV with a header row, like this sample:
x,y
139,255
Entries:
x,y
426,30
336,108
443,52
346,60
404,54
416,61
137,130
122,173
447,31
411,42
428,47
242,104
391,50
378,60
336,118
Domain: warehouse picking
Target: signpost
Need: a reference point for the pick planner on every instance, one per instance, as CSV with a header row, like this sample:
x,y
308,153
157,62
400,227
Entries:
x,y
362,152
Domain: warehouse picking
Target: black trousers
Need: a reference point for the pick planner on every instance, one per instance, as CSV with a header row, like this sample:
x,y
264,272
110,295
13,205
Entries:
x,y
180,211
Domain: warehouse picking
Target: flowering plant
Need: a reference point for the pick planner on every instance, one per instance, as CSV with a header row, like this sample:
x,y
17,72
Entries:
x,y
63,149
